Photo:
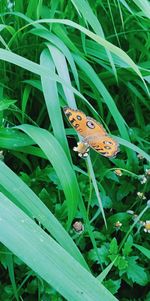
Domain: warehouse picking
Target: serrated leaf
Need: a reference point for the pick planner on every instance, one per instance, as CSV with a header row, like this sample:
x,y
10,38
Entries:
x,y
112,285
54,178
112,258
122,263
103,254
135,272
127,188
128,246
106,201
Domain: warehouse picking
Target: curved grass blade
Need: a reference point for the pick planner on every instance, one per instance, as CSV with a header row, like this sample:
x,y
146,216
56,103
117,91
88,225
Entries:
x,y
87,13
144,5
22,62
105,94
109,46
45,34
28,201
43,255
52,101
62,69
61,164
11,139
133,147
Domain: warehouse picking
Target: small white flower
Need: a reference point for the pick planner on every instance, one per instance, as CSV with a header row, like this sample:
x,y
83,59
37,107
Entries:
x,y
147,172
146,225
143,179
141,195
140,156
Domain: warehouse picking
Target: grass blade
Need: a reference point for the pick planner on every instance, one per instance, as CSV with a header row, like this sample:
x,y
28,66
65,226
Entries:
x,y
28,201
42,254
58,159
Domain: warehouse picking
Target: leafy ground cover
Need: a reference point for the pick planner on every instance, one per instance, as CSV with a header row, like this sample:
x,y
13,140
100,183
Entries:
x,y
72,228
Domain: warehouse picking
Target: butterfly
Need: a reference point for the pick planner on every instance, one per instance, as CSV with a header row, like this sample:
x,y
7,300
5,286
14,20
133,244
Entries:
x,y
93,133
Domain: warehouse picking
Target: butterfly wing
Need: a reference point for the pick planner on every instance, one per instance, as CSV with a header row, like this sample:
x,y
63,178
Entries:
x,y
85,126
92,132
104,145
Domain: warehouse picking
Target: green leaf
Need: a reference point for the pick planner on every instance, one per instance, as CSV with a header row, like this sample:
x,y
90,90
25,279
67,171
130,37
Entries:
x,y
121,262
135,272
105,272
103,254
27,200
109,46
46,257
113,248
6,103
10,266
128,246
12,139
112,285
144,5
89,16
56,155
53,106
133,147
145,251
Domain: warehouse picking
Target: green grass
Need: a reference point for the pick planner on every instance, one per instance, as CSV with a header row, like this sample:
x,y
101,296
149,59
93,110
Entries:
x,y
94,56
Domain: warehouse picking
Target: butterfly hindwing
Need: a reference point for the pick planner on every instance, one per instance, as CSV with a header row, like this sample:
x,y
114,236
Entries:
x,y
104,145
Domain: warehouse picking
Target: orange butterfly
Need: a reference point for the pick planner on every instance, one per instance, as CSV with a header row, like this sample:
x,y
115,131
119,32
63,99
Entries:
x,y
93,133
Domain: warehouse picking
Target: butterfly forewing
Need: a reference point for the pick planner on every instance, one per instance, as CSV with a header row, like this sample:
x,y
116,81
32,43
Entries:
x,y
84,125
77,119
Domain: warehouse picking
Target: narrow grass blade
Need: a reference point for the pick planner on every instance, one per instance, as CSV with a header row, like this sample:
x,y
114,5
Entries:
x,y
143,250
62,69
43,255
109,46
87,13
48,36
11,139
144,5
52,101
133,147
105,272
22,62
61,164
28,201
10,266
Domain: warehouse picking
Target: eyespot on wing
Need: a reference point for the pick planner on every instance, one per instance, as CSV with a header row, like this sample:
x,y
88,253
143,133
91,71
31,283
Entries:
x,y
104,145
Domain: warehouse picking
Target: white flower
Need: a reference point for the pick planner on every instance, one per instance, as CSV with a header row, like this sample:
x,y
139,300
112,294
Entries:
x,y
146,225
141,195
147,172
143,179
140,156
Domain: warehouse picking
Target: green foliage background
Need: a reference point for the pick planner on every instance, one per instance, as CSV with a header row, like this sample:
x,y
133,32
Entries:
x,y
94,56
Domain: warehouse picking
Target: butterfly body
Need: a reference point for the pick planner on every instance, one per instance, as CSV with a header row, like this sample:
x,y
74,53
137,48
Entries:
x,y
93,132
